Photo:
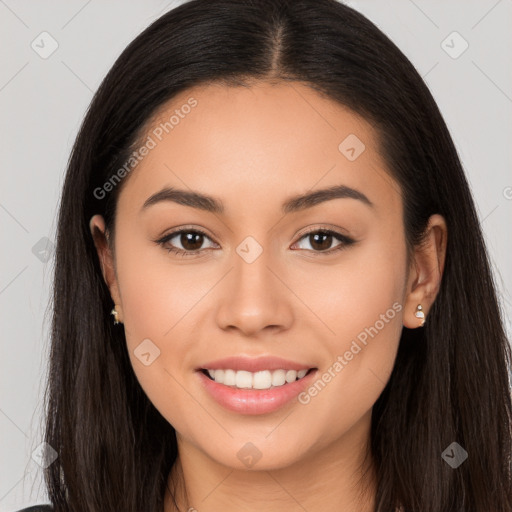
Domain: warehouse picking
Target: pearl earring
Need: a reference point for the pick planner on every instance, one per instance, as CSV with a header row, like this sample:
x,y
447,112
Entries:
x,y
115,314
420,314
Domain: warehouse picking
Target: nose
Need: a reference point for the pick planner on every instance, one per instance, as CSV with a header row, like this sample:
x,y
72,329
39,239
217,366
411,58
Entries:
x,y
255,297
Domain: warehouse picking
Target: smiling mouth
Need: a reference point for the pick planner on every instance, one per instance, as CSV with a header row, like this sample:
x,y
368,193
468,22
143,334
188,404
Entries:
x,y
265,379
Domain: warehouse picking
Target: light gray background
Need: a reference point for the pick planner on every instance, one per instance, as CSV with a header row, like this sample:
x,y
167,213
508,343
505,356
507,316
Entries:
x,y
43,101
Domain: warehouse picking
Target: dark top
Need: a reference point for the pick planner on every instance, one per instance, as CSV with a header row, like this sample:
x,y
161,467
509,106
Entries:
x,y
38,508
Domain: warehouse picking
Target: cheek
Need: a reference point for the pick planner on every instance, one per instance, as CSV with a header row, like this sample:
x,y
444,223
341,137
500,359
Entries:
x,y
361,302
157,293
160,299
357,291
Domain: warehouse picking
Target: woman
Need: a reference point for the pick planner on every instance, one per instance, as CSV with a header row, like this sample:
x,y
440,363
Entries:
x,y
271,286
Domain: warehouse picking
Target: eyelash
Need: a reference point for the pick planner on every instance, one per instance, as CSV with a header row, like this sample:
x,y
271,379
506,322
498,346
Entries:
x,y
346,241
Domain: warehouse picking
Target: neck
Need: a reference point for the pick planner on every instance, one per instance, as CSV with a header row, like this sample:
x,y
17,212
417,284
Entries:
x,y
335,478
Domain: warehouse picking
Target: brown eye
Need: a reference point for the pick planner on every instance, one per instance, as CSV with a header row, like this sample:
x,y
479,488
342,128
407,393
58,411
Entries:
x,y
321,241
190,240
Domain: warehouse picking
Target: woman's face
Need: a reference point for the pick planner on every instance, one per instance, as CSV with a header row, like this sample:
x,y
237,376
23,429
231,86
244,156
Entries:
x,y
263,285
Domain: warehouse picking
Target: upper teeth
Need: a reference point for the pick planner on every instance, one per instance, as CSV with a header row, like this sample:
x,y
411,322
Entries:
x,y
258,380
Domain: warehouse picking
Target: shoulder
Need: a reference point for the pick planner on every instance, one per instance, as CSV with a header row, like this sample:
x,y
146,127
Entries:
x,y
38,508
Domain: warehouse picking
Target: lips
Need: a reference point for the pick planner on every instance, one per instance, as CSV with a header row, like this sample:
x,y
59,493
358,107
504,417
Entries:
x,y
253,400
255,364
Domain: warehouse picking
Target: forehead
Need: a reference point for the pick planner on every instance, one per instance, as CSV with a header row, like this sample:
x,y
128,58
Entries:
x,y
257,145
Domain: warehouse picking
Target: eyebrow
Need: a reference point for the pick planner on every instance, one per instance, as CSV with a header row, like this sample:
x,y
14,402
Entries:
x,y
294,204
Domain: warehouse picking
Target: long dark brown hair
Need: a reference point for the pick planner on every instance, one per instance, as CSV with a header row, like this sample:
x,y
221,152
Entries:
x,y
451,379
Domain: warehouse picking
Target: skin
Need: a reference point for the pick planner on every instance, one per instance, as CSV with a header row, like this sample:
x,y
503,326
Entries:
x,y
253,148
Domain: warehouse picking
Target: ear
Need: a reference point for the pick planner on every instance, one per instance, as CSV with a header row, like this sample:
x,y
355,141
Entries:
x,y
101,242
426,271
